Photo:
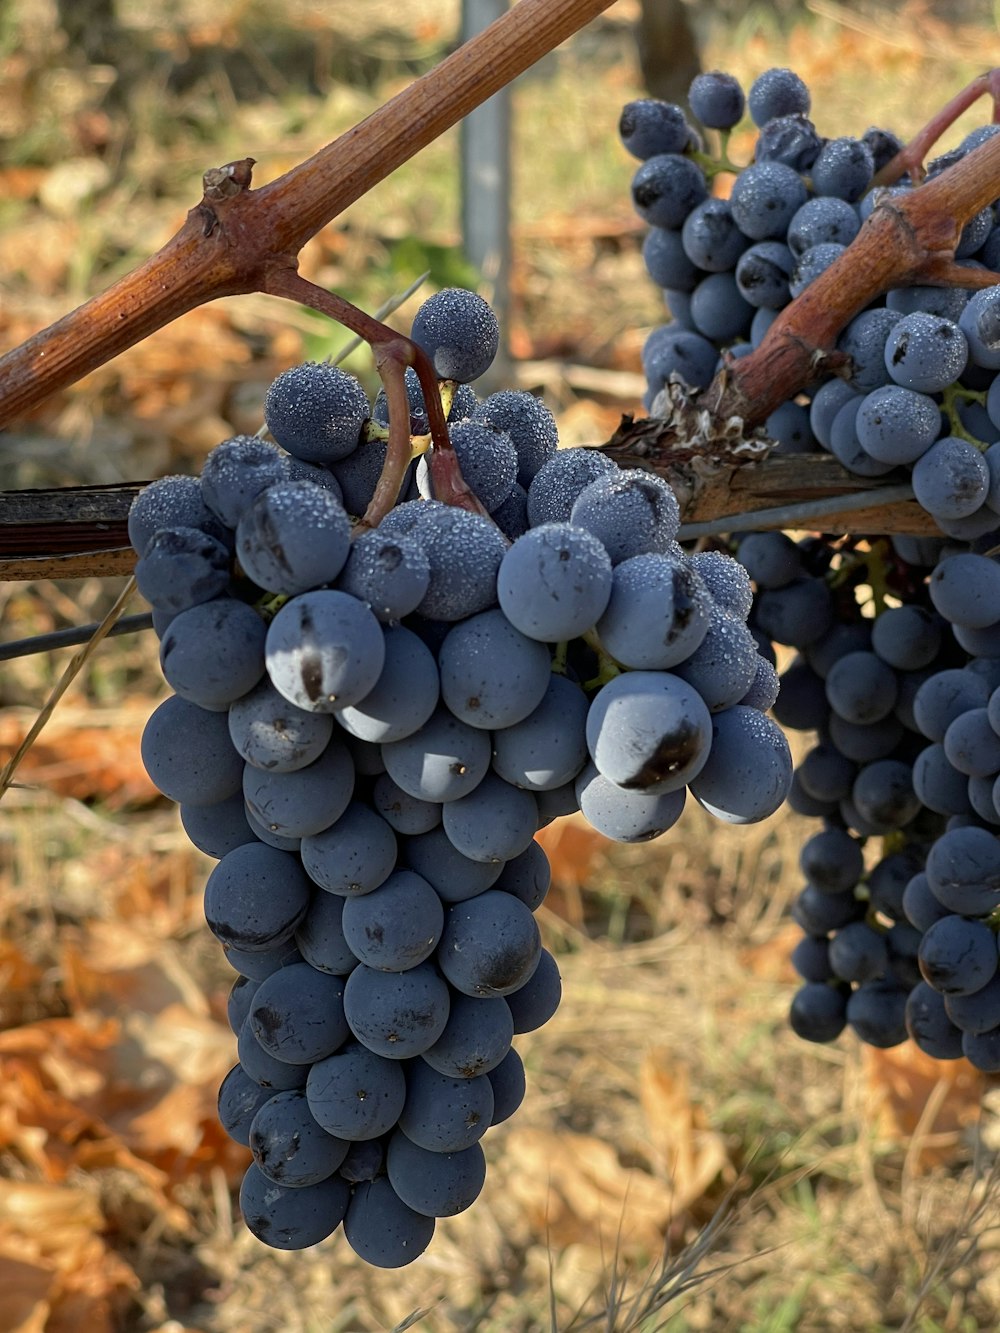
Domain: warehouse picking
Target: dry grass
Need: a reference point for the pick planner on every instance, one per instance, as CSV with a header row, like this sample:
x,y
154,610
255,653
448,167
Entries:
x,y
681,1161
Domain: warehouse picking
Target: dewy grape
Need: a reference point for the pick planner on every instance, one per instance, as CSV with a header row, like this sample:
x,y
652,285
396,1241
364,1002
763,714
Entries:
x,y
371,725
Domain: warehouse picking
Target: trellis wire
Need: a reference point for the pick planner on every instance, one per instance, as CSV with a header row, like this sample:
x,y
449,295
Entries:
x,y
72,637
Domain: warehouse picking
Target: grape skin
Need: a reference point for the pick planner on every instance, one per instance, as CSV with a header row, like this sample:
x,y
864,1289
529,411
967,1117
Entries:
x,y
649,732
240,1098
459,332
381,1229
172,502
180,568
717,99
303,802
547,748
294,536
396,1014
292,1219
256,897
353,855
490,945
235,472
748,769
492,674
626,816
444,1114
288,1145
316,412
297,1014
356,1094
436,1184
442,761
324,651
404,696
777,92
657,614
395,926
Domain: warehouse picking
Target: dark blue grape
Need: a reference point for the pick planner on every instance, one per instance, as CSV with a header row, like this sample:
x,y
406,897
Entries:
x,y
240,1098
459,332
666,188
356,1094
316,411
508,1083
181,568
534,1003
235,472
444,1114
717,99
877,1013
256,897
289,1147
297,1014
930,1025
292,1219
396,1014
397,925
844,168
777,92
381,1229
436,1184
963,870
818,1012
490,945
958,956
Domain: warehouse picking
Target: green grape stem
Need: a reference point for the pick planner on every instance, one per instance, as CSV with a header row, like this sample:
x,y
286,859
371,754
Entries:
x,y
607,667
950,399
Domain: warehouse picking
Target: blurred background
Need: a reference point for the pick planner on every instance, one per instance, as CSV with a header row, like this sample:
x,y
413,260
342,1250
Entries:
x,y
681,1161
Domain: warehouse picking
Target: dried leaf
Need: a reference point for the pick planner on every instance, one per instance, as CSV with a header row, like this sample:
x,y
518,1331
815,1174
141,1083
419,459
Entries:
x,y
25,1289
573,1190
83,760
771,961
685,1150
922,1103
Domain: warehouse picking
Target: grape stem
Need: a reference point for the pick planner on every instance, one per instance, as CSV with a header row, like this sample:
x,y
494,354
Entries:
x,y
393,354
910,159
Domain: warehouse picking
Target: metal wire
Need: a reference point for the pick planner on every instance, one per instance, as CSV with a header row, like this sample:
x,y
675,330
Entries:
x,y
72,637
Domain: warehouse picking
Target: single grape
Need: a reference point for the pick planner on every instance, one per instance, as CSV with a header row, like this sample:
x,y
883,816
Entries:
x,y
717,99
316,411
777,92
459,332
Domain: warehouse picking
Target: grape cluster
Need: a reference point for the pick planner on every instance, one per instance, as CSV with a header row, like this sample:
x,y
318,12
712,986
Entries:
x,y
369,726
897,665
922,395
905,712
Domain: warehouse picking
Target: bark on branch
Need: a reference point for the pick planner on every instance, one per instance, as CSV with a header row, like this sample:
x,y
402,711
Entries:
x,y
236,235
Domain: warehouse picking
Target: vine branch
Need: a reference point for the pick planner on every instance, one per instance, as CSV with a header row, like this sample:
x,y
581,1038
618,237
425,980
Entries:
x,y
236,235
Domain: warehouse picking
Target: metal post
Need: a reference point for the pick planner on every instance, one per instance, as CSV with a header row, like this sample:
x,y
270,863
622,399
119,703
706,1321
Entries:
x,y
485,178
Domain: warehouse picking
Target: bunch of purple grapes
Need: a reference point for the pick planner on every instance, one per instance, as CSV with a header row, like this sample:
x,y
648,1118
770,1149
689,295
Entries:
x,y
897,671
369,726
921,396
908,751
